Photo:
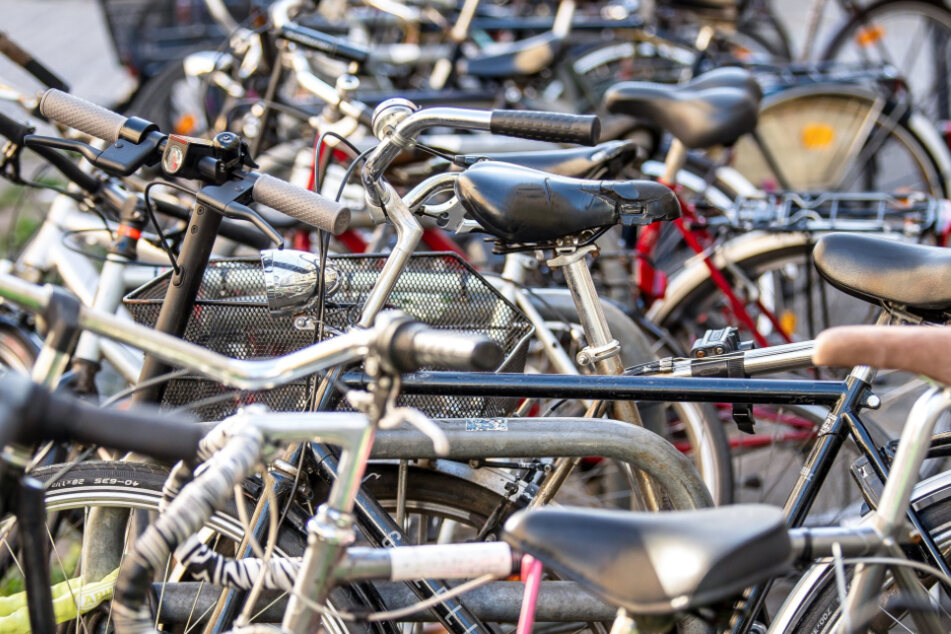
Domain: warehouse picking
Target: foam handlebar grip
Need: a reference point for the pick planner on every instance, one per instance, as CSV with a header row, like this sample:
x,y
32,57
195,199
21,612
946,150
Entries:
x,y
29,414
306,206
416,345
82,115
538,125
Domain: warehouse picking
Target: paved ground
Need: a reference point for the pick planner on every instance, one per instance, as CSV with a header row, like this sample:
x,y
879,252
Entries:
x,y
70,37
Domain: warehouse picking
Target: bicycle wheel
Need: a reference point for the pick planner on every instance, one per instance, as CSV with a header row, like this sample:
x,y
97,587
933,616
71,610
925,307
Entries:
x,y
910,35
819,611
832,137
124,490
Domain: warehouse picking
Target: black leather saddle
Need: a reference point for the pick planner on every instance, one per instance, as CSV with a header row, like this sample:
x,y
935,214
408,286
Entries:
x,y
521,205
715,109
914,276
657,563
517,59
581,162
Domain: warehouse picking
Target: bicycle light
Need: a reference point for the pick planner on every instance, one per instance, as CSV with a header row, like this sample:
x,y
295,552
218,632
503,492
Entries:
x,y
291,280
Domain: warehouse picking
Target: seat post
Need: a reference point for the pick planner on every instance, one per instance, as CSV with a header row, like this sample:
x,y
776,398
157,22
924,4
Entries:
x,y
674,162
603,350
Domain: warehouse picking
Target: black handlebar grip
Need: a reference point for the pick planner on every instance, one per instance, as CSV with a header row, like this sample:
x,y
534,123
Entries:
x,y
306,206
547,126
415,345
83,115
67,419
30,64
29,414
329,45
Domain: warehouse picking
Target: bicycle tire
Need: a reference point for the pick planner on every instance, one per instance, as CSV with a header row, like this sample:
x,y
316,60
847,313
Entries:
x,y
936,12
137,485
18,350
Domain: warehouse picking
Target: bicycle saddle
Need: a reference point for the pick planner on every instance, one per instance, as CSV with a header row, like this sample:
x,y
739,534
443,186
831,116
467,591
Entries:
x,y
700,115
728,77
581,162
519,204
516,59
657,563
875,269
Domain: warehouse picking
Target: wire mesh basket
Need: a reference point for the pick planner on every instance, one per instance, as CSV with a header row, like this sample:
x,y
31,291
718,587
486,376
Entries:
x,y
231,316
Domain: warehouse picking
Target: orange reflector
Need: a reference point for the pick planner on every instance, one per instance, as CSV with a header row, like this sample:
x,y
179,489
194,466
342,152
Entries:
x,y
185,124
787,321
869,35
817,136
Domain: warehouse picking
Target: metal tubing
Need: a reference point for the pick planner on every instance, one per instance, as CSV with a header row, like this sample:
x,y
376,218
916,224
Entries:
x,y
49,366
381,530
34,553
893,505
561,437
408,234
790,356
812,543
180,297
109,291
708,390
330,532
500,601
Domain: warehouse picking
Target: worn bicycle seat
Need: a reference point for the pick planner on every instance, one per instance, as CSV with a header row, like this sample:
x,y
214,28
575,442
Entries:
x,y
657,563
526,206
581,162
701,113
914,276
523,57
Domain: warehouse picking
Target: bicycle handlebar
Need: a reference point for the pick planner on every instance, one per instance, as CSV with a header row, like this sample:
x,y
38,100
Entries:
x,y
306,206
15,132
30,414
537,125
30,64
414,346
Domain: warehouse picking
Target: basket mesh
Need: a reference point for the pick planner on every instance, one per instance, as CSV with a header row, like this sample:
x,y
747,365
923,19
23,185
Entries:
x,y
231,317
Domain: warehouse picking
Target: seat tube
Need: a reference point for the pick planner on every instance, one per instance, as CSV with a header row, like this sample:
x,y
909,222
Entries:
x,y
603,350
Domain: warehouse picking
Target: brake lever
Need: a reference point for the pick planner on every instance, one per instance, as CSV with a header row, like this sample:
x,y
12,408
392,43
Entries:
x,y
121,158
237,211
87,151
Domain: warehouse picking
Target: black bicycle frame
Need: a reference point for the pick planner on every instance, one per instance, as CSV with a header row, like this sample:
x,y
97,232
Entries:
x,y
182,291
846,398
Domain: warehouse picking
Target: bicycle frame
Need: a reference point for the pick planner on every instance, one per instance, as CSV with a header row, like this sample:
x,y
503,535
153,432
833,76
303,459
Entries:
x,y
103,290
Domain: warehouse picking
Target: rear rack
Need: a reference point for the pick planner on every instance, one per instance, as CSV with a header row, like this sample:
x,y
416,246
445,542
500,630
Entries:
x,y
911,215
